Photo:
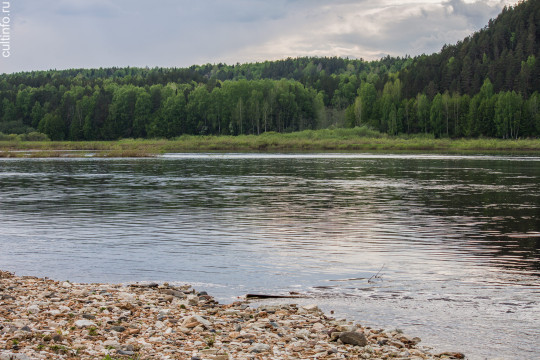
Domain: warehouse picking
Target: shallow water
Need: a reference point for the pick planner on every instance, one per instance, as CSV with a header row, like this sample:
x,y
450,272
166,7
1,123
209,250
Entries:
x,y
443,247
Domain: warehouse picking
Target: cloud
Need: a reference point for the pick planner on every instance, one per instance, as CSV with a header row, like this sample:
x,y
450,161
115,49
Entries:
x,y
368,29
95,9
100,33
475,12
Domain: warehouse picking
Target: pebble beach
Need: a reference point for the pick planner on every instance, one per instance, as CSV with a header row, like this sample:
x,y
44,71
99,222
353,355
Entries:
x,y
46,319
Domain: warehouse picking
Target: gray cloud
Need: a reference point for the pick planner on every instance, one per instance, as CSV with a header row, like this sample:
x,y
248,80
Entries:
x,y
100,33
83,8
476,12
394,27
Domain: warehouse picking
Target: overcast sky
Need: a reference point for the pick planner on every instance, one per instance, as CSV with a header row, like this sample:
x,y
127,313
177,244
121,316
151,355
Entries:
x,y
60,34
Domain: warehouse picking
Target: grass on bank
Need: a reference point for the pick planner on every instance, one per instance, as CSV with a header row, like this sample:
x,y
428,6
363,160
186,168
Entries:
x,y
356,139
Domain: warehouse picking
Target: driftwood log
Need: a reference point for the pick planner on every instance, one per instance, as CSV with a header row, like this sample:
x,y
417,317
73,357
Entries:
x,y
265,296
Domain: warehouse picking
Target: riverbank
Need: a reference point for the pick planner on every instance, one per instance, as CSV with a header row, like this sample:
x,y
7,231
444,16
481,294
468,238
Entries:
x,y
47,319
353,140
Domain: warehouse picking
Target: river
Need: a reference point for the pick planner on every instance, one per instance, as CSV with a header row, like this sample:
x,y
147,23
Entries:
x,y
444,247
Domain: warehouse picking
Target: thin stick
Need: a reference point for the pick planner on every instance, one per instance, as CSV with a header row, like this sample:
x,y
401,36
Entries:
x,y
376,275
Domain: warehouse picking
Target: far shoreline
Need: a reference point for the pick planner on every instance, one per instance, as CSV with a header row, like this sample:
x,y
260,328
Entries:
x,y
323,141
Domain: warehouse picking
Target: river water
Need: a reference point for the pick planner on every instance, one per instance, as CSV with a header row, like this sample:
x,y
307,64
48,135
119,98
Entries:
x,y
443,247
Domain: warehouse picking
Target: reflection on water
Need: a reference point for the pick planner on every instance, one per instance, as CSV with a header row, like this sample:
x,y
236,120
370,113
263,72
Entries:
x,y
457,237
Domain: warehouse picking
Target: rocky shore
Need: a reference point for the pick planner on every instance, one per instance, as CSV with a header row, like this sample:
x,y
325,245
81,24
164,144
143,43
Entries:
x,y
46,319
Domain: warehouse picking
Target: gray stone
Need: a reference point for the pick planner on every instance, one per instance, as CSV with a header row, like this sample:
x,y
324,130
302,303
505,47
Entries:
x,y
353,338
452,355
124,352
208,352
396,344
346,328
259,348
313,308
33,309
203,321
303,334
193,300
84,323
112,344
12,356
269,308
118,328
178,294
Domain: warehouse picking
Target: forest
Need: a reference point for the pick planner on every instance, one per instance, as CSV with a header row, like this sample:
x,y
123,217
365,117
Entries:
x,y
484,86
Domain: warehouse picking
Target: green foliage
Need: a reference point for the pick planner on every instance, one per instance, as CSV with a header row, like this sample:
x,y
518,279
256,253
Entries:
x,y
53,126
423,112
533,111
485,85
504,51
436,115
210,340
508,114
9,112
14,127
32,136
109,357
59,349
338,139
37,114
365,102
92,331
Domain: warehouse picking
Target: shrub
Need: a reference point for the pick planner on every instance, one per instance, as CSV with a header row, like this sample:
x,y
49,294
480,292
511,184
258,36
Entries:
x,y
34,136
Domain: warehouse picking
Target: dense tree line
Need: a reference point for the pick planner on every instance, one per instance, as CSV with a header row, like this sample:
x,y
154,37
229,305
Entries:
x,y
115,111
507,51
506,114
486,85
282,96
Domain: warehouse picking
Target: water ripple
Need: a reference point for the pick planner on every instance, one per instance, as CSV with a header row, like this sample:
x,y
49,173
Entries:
x,y
446,247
